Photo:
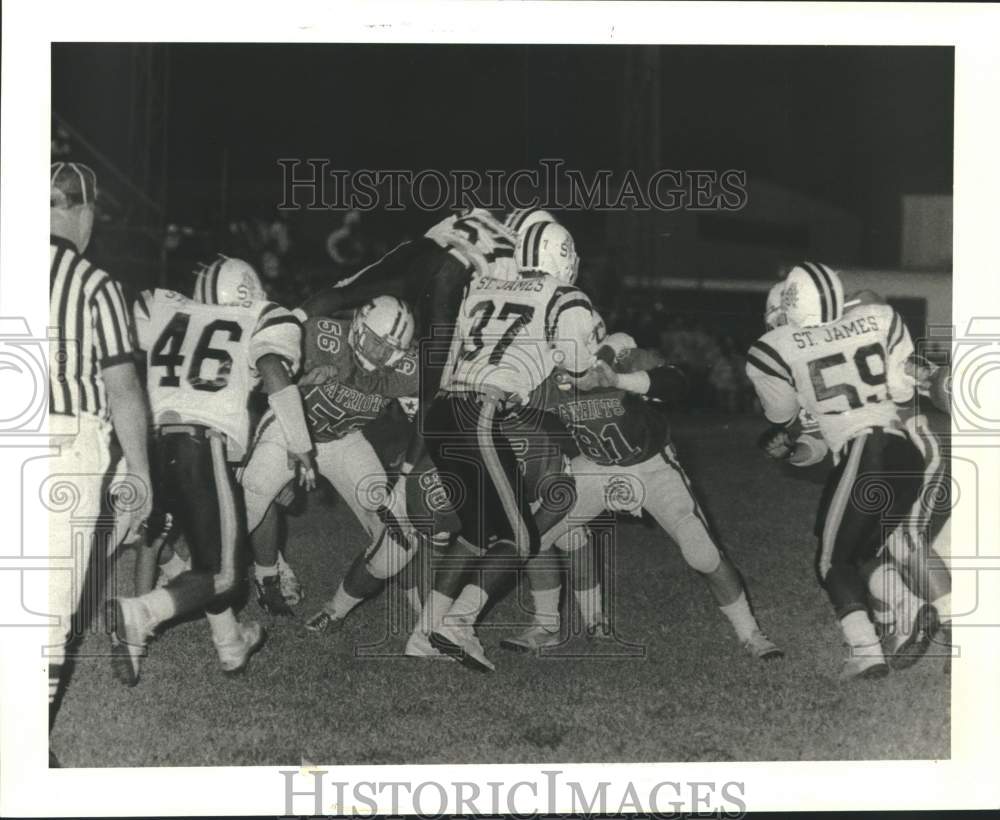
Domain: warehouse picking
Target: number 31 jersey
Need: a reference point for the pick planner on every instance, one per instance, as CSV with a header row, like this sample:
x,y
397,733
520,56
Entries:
x,y
201,359
848,374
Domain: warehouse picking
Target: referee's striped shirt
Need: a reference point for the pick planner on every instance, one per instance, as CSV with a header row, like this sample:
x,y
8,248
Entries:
x,y
87,311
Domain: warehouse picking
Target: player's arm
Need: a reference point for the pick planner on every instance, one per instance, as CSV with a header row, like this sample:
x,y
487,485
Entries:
x,y
127,404
623,365
569,324
275,350
898,351
772,381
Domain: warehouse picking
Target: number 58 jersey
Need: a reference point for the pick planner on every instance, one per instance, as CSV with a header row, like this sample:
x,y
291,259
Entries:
x,y
201,359
848,374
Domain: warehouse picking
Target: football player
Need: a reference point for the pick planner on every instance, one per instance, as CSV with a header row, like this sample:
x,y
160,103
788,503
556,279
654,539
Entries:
x,y
354,369
627,463
204,357
510,335
847,368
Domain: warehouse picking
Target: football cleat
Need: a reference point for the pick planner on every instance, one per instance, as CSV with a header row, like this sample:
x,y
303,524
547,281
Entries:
x,y
269,596
418,645
904,648
870,666
130,626
762,647
461,643
235,655
324,621
533,640
291,590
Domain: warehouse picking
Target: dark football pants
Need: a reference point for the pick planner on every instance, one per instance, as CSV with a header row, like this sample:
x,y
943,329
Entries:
x,y
196,485
452,435
868,493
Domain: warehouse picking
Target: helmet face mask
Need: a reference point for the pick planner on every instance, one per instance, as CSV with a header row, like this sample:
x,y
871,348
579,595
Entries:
x,y
813,295
381,332
548,248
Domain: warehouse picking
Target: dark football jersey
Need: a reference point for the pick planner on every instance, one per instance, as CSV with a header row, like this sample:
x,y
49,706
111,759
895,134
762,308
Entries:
x,y
355,396
609,426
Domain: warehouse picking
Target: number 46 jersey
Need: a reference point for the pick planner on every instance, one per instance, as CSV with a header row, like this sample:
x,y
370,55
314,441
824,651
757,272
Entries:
x,y
201,359
848,374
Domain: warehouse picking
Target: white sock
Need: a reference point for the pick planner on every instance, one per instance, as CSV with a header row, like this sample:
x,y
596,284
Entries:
x,y
342,603
589,601
468,605
224,626
740,616
174,566
943,607
413,598
547,607
261,572
858,629
160,605
434,610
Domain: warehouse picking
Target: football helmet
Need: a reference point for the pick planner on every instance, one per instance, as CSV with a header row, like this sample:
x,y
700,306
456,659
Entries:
x,y
381,332
227,281
547,247
813,295
774,314
520,219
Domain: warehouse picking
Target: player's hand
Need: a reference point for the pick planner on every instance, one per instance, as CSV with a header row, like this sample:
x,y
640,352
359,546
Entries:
x,y
320,375
776,442
600,375
305,466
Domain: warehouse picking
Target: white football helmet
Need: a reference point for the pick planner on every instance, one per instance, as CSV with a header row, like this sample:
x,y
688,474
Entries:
x,y
381,332
813,295
520,219
547,247
227,281
774,313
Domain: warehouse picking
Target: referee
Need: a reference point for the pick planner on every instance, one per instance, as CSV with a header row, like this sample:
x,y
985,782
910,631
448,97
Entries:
x,y
93,389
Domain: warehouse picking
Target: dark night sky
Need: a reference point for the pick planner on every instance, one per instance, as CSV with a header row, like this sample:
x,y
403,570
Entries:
x,y
856,127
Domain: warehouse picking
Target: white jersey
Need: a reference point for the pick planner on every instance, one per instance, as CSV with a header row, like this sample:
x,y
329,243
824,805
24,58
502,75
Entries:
x,y
478,240
201,359
512,333
847,374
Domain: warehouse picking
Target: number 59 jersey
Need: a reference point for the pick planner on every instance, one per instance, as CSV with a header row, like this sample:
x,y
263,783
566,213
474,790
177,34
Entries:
x,y
512,332
848,374
201,359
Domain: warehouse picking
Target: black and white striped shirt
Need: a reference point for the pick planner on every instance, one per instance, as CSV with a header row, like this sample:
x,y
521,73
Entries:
x,y
87,312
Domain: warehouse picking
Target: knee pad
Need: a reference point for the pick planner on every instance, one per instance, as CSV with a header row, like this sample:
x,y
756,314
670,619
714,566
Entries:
x,y
573,540
697,546
388,559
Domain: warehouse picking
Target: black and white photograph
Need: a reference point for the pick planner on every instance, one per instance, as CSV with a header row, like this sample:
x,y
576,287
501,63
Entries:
x,y
434,401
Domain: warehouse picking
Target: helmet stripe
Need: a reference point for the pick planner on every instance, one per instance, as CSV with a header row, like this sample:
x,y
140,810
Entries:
x,y
826,278
820,285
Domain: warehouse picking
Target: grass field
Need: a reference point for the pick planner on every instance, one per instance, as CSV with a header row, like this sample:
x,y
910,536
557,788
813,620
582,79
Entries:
x,y
692,695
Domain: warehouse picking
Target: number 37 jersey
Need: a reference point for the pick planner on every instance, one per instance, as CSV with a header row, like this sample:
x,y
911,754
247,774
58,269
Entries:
x,y
201,359
849,374
513,332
